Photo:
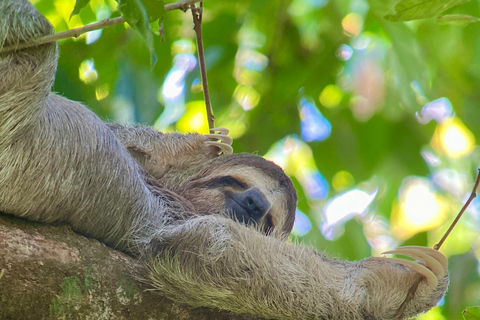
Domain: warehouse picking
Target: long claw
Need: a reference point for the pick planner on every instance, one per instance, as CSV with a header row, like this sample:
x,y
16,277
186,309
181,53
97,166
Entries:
x,y
429,276
434,253
226,148
419,254
224,131
224,138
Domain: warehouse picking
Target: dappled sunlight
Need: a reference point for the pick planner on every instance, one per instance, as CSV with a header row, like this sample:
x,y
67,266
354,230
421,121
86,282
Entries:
x,y
342,208
194,118
102,91
419,208
246,96
377,231
87,72
344,52
249,62
315,127
453,181
453,139
438,110
302,224
331,96
303,14
296,158
434,314
352,23
172,93
342,180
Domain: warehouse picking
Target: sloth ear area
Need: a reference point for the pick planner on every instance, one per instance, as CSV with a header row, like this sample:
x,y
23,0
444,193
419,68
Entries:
x,y
220,141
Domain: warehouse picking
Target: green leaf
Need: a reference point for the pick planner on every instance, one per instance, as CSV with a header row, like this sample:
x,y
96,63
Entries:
x,y
79,5
472,313
136,16
155,9
457,19
421,9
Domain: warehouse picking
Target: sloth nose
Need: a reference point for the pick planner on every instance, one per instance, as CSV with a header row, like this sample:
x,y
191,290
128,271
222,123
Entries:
x,y
255,203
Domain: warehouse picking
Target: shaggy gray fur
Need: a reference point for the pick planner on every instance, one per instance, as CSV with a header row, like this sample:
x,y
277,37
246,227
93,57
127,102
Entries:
x,y
148,194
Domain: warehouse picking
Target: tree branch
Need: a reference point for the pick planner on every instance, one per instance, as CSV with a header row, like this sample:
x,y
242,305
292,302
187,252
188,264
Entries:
x,y
50,272
197,14
75,33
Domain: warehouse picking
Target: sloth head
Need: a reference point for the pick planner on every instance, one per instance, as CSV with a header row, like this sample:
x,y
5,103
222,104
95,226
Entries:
x,y
247,188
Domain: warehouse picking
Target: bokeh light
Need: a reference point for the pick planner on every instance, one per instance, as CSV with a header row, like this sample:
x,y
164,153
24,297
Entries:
x,y
172,93
419,208
295,156
194,119
315,127
352,23
302,224
342,208
438,110
331,96
453,139
87,72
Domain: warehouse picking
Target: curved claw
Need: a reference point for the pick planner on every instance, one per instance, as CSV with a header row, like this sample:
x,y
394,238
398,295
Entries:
x,y
429,276
223,131
432,252
226,148
430,262
224,138
436,263
220,140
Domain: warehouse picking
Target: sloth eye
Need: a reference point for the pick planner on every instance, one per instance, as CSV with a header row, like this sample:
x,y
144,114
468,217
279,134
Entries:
x,y
229,181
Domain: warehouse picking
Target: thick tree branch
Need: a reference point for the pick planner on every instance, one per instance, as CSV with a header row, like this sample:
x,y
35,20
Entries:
x,y
183,5
49,272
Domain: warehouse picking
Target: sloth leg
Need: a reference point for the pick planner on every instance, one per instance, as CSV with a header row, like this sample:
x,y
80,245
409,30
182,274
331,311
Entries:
x,y
214,262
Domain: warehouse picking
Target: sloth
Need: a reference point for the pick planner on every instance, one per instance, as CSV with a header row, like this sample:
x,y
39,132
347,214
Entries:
x,y
209,229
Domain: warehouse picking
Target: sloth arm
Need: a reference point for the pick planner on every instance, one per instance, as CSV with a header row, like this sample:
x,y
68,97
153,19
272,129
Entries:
x,y
159,152
214,262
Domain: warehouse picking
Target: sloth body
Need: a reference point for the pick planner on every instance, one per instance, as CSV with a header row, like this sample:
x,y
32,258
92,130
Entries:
x,y
171,201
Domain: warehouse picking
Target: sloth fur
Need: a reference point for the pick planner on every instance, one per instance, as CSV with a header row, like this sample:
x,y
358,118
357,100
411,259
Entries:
x,y
167,199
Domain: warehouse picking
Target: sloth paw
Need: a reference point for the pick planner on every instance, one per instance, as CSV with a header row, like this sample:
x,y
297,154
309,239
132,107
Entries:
x,y
434,265
220,140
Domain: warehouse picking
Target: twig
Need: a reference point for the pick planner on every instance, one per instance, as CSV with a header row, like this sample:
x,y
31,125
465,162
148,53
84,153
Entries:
x,y
419,278
183,5
197,26
465,206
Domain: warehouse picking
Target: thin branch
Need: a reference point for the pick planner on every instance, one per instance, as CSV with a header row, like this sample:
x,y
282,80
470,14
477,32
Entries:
x,y
419,278
183,5
465,206
197,26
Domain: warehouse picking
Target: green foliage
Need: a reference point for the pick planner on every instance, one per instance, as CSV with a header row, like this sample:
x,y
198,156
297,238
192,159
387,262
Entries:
x,y
79,5
472,313
368,78
421,9
457,19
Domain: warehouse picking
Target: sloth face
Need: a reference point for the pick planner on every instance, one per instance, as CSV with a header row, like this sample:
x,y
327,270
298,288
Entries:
x,y
252,191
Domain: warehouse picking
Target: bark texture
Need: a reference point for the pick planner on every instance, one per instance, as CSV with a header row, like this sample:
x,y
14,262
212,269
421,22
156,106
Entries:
x,y
50,272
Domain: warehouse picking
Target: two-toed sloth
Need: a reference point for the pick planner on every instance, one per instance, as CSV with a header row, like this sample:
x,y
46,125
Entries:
x,y
168,199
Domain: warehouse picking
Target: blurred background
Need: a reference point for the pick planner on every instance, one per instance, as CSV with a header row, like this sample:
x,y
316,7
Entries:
x,y
375,121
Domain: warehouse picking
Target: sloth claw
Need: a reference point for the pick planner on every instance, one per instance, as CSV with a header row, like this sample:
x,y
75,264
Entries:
x,y
226,148
435,263
220,140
